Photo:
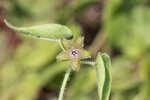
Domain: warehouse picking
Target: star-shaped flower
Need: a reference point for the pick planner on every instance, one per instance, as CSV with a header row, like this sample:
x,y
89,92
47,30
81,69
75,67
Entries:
x,y
73,52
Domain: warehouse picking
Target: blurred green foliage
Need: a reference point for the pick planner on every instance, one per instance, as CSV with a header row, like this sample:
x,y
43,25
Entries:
x,y
31,72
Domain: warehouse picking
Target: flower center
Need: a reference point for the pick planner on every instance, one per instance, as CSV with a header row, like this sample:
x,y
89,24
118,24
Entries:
x,y
74,53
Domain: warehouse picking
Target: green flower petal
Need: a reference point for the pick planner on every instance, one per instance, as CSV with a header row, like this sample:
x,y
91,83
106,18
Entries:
x,y
79,42
63,56
74,52
84,54
67,44
75,63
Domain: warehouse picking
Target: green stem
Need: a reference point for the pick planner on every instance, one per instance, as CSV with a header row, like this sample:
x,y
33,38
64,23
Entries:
x,y
88,63
64,84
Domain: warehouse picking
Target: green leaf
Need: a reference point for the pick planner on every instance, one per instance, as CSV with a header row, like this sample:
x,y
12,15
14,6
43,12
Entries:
x,y
45,31
107,83
103,76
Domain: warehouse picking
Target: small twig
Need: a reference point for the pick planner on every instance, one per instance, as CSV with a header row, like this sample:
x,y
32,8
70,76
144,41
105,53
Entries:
x,y
64,84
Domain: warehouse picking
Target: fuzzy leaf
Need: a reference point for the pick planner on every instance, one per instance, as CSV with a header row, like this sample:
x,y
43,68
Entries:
x,y
45,31
103,76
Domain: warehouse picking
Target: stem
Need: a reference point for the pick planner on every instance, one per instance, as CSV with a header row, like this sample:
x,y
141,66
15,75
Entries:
x,y
88,63
64,84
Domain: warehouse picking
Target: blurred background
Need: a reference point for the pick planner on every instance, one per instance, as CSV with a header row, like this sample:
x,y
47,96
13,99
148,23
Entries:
x,y
121,28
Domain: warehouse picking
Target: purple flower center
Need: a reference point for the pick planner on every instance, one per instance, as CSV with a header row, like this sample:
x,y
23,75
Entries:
x,y
74,53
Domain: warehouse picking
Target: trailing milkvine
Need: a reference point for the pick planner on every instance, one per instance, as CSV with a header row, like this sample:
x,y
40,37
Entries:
x,y
72,51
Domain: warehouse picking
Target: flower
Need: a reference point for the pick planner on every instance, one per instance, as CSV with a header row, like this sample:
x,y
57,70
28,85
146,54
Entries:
x,y
73,52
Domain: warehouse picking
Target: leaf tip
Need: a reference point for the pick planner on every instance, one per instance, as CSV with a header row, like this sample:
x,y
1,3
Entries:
x,y
9,25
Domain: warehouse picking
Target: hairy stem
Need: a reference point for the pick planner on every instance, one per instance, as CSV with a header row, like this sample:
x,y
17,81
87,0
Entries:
x,y
64,84
88,63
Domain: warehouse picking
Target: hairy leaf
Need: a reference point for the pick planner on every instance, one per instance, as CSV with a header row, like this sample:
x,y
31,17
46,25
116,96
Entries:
x,y
103,76
45,31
